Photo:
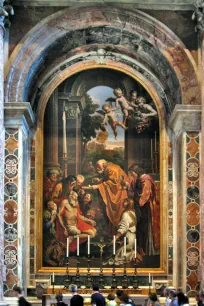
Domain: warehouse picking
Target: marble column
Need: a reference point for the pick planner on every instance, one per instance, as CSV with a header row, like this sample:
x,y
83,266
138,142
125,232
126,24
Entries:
x,y
51,133
2,270
185,123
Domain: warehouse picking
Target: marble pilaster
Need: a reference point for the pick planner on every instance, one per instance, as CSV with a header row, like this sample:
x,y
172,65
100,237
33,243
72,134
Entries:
x,y
2,269
18,119
185,123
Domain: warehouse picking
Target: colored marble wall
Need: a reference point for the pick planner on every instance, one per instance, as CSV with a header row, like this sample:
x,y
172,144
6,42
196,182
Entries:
x,y
192,212
11,176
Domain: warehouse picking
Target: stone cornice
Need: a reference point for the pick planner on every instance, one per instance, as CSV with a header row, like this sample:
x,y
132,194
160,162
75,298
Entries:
x,y
185,118
139,4
18,114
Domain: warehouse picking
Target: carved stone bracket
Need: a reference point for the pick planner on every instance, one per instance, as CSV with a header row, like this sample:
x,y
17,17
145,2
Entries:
x,y
198,15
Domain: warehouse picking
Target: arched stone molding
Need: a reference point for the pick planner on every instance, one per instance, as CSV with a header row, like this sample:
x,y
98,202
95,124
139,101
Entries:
x,y
145,33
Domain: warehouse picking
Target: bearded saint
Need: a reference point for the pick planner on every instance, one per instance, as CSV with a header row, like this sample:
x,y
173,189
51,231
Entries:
x,y
113,190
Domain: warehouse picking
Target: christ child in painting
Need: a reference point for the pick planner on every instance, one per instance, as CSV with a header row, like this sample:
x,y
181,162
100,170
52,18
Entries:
x,y
112,119
124,104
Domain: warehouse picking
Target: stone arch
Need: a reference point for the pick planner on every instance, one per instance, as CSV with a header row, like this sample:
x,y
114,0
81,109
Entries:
x,y
134,32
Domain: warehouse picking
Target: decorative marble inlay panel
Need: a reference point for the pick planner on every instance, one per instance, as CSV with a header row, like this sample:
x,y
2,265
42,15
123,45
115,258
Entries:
x,y
11,210
192,213
32,207
170,212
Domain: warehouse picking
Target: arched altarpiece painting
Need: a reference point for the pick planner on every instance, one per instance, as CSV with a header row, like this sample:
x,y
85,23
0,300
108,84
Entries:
x,y
148,58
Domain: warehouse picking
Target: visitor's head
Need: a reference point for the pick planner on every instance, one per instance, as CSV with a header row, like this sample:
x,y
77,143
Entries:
x,y
73,288
101,165
88,198
124,298
80,180
141,101
118,92
51,205
59,297
53,174
133,95
95,287
172,294
107,108
166,292
111,297
153,297
119,294
17,290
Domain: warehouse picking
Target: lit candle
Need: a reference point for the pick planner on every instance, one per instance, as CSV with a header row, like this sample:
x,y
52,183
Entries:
x,y
67,247
77,245
53,277
88,245
135,248
149,279
114,245
151,150
155,141
124,246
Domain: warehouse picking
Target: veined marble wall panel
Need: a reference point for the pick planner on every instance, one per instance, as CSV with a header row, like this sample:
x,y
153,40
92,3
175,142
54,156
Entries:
x,y
11,210
32,209
170,213
192,212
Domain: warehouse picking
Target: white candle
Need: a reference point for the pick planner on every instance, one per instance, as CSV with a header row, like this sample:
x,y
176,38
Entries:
x,y
67,247
135,248
77,245
114,245
88,245
53,277
151,150
149,278
124,246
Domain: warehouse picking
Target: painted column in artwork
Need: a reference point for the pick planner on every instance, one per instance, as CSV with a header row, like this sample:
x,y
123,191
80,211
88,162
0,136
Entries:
x,y
73,109
51,133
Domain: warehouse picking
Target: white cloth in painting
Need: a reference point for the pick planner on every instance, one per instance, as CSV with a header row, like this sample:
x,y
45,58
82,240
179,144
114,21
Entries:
x,y
127,228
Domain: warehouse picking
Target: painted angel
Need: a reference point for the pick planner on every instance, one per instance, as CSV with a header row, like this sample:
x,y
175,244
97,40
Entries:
x,y
111,118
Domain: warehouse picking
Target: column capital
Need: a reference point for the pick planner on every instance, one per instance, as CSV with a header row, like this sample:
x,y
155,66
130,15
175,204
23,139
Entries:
x,y
198,15
16,114
185,118
6,9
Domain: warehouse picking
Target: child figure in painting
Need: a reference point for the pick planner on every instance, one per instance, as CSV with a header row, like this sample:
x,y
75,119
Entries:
x,y
124,104
112,119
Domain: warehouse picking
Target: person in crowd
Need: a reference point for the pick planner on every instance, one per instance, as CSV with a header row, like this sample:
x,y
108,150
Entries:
x,y
111,300
76,299
172,296
97,299
166,294
125,300
153,300
198,299
21,300
202,298
59,298
120,293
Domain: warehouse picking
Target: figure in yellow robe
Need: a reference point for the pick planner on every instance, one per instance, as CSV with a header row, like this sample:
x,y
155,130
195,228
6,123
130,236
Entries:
x,y
113,189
